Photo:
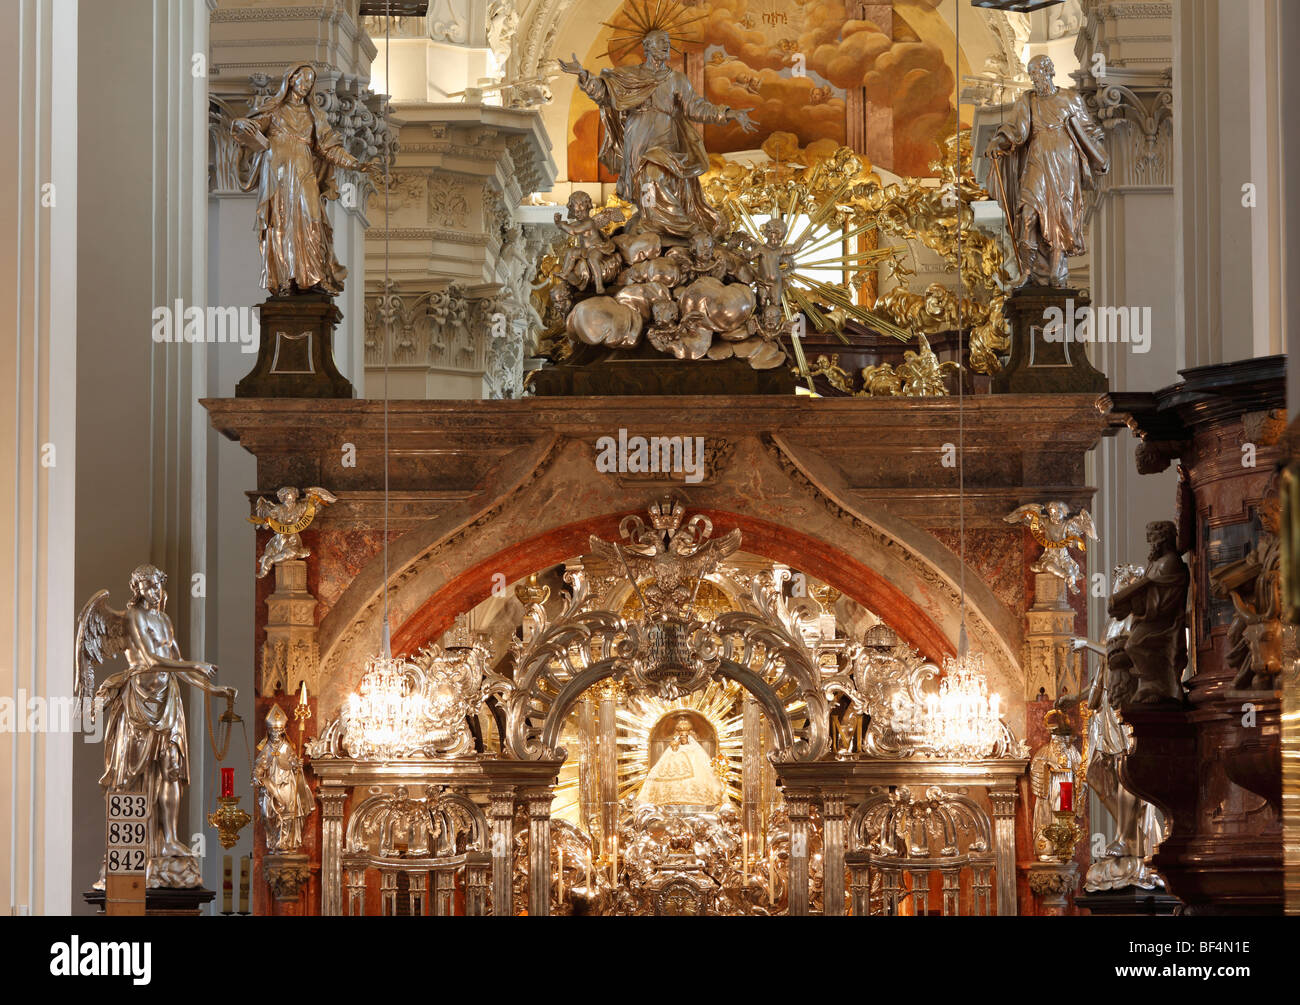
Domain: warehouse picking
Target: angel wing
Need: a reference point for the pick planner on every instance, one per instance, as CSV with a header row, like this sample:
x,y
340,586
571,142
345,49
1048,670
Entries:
x,y
101,635
262,509
1032,516
319,496
1080,527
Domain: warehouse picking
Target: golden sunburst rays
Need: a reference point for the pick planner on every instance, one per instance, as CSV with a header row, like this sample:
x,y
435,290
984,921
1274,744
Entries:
x,y
718,703
638,18
815,245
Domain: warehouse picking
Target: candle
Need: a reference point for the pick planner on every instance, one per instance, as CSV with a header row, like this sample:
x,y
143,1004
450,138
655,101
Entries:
x,y
246,867
1067,796
227,782
227,884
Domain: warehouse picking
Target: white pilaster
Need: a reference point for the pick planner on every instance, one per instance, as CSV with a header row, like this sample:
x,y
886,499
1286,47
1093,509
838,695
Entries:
x,y
38,429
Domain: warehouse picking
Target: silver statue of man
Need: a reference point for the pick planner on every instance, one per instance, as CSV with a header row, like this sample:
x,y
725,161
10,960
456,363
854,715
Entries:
x,y
1045,158
146,747
1139,826
647,139
283,793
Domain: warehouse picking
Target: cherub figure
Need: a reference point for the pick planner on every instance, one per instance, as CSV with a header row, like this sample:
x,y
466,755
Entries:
x,y
1057,535
685,336
772,260
588,241
288,518
835,375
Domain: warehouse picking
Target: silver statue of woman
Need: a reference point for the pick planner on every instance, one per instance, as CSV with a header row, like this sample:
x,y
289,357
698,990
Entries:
x,y
647,139
1044,158
296,154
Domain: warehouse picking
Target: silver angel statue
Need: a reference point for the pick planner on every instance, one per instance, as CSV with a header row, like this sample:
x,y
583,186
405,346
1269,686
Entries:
x,y
1045,158
288,518
295,155
146,746
283,793
1057,532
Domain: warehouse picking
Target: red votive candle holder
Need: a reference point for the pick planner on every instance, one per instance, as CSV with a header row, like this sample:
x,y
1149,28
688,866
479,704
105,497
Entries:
x,y
1067,796
227,782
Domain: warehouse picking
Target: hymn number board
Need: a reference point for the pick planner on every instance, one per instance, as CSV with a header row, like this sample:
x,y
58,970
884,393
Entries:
x,y
126,854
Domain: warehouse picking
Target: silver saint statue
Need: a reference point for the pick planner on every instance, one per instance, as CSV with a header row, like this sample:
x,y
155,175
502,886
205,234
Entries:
x,y
1139,826
647,139
296,153
146,747
284,796
1045,158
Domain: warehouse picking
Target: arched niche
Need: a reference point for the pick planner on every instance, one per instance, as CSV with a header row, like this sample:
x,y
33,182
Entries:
x,y
788,512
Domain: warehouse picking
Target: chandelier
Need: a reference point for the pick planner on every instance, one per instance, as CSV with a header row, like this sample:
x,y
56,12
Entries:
x,y
417,708
388,715
962,721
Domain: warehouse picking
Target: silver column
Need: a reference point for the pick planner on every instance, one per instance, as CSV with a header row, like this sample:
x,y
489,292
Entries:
x,y
798,806
1004,846
607,747
833,853
539,852
331,853
501,812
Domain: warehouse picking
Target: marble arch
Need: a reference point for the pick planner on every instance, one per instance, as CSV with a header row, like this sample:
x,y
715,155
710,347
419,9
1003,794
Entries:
x,y
879,560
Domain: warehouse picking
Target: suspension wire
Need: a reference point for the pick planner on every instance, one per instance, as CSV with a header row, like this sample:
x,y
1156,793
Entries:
x,y
388,321
961,369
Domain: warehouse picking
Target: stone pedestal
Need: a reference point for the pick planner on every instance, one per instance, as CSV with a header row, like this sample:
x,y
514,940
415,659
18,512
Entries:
x,y
645,371
287,874
1049,631
295,354
290,653
1130,902
1052,884
1040,366
163,903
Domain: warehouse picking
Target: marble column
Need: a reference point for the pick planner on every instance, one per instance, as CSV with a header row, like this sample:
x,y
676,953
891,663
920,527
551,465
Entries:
x,y
501,815
539,852
1004,846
